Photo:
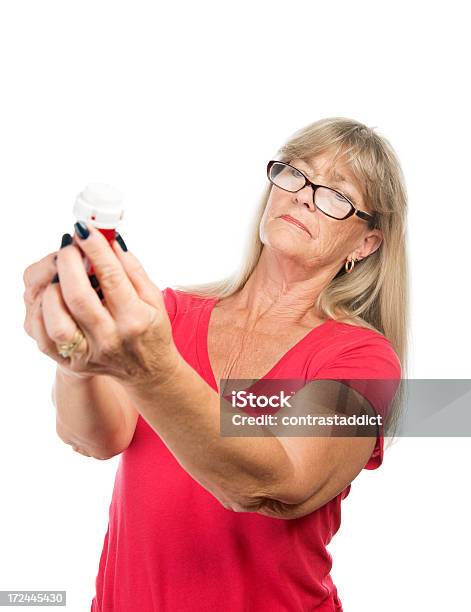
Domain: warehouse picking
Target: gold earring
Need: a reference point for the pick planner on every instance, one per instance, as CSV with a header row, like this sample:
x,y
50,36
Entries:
x,y
348,268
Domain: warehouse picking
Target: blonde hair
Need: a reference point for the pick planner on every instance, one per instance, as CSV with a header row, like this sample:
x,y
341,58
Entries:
x,y
375,294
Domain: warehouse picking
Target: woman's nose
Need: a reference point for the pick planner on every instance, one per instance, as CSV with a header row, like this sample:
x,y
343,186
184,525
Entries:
x,y
305,196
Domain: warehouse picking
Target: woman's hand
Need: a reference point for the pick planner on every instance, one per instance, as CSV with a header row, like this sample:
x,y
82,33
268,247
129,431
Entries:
x,y
36,278
128,337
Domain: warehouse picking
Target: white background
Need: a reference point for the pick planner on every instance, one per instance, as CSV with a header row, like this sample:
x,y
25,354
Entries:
x,y
162,100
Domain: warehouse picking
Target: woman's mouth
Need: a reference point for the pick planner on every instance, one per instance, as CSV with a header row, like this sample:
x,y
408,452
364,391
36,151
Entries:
x,y
295,222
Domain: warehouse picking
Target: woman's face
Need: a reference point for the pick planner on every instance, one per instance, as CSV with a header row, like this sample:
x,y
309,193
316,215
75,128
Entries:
x,y
327,242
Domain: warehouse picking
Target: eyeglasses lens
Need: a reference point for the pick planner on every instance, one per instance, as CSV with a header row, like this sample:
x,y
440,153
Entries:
x,y
327,200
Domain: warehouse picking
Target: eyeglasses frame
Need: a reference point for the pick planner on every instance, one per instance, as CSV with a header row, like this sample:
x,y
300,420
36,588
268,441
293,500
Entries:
x,y
353,210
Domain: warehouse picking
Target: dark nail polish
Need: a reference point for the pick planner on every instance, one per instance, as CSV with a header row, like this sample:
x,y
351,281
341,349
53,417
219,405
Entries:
x,y
66,240
100,294
55,279
120,241
94,281
82,230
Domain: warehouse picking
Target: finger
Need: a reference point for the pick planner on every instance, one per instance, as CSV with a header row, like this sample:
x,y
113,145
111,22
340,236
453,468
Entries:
x,y
58,322
37,275
30,313
39,333
117,289
79,296
143,285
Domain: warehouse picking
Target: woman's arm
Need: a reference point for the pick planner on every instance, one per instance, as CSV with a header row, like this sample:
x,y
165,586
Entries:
x,y
94,415
282,477
131,341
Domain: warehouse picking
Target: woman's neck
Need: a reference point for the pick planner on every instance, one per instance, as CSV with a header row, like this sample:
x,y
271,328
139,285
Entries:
x,y
271,291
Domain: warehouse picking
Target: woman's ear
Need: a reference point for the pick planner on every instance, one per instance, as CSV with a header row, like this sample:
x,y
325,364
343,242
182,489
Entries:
x,y
371,243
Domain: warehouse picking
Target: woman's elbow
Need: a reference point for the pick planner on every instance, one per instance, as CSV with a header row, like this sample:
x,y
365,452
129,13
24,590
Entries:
x,y
280,494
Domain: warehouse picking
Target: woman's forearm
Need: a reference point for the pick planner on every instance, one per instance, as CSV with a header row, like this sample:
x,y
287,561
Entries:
x,y
239,471
92,414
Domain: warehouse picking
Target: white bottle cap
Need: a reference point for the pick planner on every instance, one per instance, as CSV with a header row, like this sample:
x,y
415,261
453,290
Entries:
x,y
99,204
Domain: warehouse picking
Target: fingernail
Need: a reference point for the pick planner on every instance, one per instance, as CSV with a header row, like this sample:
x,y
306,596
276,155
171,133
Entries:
x,y
121,242
66,240
82,230
55,279
100,294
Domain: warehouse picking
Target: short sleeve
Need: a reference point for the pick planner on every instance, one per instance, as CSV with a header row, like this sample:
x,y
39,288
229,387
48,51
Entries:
x,y
369,357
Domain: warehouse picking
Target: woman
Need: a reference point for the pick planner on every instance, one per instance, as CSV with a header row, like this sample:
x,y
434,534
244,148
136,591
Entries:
x,y
200,521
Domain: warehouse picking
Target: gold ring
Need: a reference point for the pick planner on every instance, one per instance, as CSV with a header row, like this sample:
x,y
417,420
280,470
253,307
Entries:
x,y
67,348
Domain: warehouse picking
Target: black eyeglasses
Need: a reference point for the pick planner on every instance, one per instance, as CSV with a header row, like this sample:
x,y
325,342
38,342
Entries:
x,y
329,201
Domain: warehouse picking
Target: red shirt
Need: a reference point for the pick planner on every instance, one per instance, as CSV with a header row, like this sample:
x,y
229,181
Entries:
x,y
171,546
